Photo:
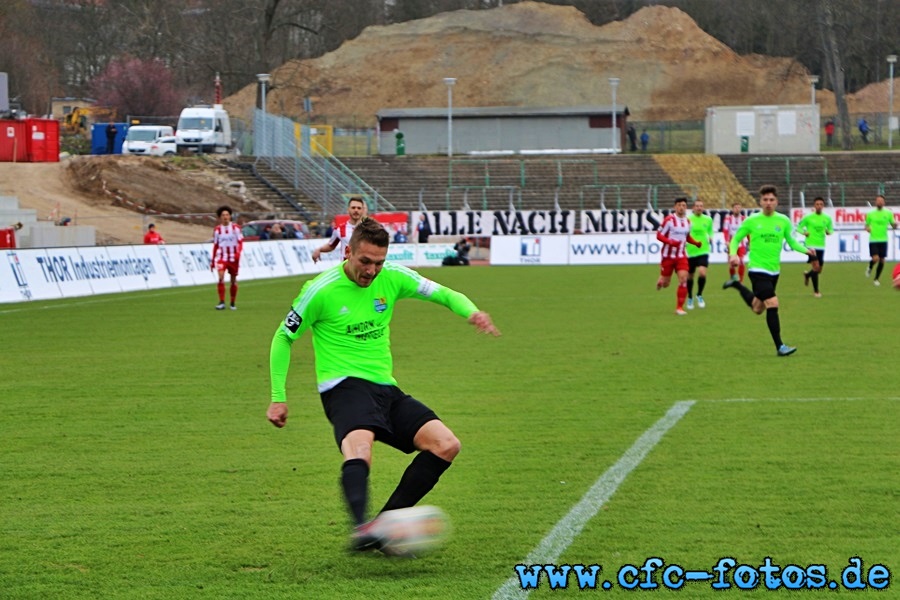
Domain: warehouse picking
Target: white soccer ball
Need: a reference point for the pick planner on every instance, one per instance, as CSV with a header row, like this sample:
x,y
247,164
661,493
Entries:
x,y
412,531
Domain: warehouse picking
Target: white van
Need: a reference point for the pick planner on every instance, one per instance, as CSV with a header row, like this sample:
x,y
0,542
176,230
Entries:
x,y
139,138
204,129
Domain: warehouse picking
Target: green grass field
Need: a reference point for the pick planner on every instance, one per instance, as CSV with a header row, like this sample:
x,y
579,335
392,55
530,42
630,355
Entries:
x,y
137,461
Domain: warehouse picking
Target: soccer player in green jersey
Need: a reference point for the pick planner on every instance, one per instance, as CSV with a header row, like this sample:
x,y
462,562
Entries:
x,y
348,308
767,231
877,223
698,256
815,226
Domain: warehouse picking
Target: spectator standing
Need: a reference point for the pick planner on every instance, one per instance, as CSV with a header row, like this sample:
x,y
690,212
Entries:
x,y
399,237
423,229
829,132
645,139
632,138
863,126
152,236
111,132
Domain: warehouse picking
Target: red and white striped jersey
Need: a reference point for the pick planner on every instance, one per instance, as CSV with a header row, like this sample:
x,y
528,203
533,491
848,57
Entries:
x,y
674,228
227,243
341,235
730,224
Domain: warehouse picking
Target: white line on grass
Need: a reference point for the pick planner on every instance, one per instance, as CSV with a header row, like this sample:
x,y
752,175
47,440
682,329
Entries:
x,y
565,531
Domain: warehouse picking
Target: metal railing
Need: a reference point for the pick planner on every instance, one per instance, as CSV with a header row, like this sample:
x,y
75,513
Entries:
x,y
285,147
650,193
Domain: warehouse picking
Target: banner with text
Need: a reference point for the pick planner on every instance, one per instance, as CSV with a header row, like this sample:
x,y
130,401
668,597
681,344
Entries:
x,y
43,274
643,248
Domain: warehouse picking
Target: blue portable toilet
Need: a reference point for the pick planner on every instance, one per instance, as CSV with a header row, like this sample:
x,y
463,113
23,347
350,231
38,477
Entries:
x,y
98,137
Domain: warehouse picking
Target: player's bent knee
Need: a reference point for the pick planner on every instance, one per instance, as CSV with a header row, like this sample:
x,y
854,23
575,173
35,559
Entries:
x,y
448,448
435,437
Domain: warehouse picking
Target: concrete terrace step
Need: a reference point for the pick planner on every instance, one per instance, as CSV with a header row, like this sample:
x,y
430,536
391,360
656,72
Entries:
x,y
574,182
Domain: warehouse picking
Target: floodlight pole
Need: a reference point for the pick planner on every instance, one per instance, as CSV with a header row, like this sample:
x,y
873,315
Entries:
x,y
614,83
449,82
891,60
264,79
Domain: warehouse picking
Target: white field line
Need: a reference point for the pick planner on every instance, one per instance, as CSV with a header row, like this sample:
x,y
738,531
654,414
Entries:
x,y
564,532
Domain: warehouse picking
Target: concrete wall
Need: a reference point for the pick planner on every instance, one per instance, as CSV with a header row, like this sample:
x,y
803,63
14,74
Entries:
x,y
429,135
788,129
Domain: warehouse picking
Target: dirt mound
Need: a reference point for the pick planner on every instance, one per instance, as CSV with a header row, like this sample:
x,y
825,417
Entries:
x,y
119,195
533,54
182,186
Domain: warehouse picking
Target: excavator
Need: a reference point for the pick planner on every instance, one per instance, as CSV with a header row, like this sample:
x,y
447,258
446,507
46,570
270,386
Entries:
x,y
80,120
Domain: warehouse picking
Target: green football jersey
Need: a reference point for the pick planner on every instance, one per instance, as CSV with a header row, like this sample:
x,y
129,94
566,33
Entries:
x,y
815,227
702,231
351,324
767,234
878,222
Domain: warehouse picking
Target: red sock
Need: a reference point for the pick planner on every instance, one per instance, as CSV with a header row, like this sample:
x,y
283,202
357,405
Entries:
x,y
741,272
233,292
221,289
682,294
731,271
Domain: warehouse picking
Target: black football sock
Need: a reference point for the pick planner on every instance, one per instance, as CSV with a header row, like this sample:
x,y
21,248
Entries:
x,y
690,287
815,279
745,293
774,325
420,476
871,264
355,481
701,283
879,270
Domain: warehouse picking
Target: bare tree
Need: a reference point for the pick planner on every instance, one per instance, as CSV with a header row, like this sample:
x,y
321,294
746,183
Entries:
x,y
832,53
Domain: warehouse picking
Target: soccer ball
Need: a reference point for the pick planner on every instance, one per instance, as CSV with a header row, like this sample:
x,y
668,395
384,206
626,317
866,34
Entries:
x,y
412,531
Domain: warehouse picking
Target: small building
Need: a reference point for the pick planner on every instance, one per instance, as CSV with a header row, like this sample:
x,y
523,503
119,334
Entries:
x,y
502,130
60,107
788,129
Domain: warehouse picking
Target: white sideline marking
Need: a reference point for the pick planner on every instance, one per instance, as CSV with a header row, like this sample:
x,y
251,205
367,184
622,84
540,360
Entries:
x,y
565,531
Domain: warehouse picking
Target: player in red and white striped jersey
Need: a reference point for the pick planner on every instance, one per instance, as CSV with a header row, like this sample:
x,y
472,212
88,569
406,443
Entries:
x,y
730,224
226,254
340,235
674,233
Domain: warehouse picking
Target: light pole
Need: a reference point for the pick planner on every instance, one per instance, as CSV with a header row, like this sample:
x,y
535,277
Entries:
x,y
813,80
449,82
263,79
891,60
614,82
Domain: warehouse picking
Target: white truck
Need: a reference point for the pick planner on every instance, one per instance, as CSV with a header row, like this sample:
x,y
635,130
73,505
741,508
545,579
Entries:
x,y
204,129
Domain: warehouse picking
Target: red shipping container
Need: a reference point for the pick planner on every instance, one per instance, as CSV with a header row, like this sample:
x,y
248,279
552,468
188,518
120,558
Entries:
x,y
43,140
8,238
13,141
